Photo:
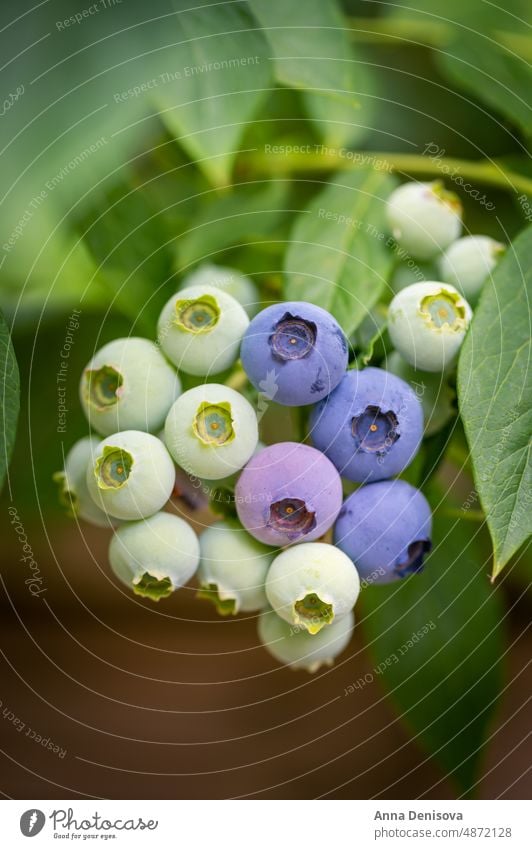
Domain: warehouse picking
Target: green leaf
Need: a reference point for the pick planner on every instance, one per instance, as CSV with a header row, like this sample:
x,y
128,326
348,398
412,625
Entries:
x,y
338,257
244,215
494,393
496,77
222,71
313,53
445,680
9,397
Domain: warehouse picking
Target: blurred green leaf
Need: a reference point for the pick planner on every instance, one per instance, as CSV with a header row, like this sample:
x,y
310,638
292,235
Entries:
x,y
494,393
222,66
496,77
338,258
9,397
313,53
246,214
446,679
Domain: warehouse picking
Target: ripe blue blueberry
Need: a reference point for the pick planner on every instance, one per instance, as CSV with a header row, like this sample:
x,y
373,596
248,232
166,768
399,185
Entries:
x,y
288,493
468,262
200,329
72,482
236,284
370,427
385,529
131,475
295,353
155,556
427,323
424,218
295,647
211,431
233,569
128,385
312,585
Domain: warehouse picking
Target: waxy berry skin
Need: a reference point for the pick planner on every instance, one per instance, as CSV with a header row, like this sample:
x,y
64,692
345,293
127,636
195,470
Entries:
x,y
312,585
211,431
427,323
468,262
370,427
72,481
288,493
128,385
131,475
200,329
294,353
385,528
424,218
233,569
295,647
155,556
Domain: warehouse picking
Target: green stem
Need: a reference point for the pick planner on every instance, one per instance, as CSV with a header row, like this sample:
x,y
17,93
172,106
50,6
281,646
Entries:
x,y
323,158
457,513
426,32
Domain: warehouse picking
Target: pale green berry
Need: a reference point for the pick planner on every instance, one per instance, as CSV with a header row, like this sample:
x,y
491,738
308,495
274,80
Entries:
x,y
155,556
128,385
233,569
295,647
433,390
427,323
211,431
424,218
72,483
200,329
236,284
468,262
312,585
131,475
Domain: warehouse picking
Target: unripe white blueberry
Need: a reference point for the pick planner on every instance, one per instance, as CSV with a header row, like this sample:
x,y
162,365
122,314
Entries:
x,y
200,329
211,431
427,323
312,585
236,284
155,556
128,385
295,647
424,218
467,263
72,482
131,475
233,569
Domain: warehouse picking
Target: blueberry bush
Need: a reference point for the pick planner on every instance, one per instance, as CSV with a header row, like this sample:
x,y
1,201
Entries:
x,y
256,219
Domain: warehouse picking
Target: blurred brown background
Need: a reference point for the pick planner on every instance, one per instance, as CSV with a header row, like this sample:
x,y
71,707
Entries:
x,y
169,701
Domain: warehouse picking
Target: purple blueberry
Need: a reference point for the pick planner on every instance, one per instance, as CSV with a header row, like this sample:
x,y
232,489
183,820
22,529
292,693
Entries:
x,y
370,426
288,493
295,353
385,529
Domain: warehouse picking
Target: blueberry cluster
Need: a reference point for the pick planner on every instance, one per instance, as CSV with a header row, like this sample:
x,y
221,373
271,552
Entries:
x,y
294,548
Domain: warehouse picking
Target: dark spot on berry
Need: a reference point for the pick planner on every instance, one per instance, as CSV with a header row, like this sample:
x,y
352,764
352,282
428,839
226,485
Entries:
x,y
338,332
319,384
415,556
